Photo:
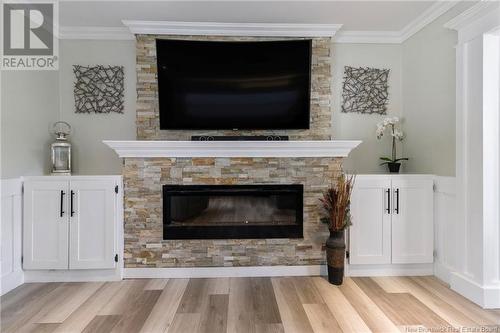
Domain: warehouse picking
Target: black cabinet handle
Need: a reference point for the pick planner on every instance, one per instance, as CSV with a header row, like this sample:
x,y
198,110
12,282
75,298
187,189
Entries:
x,y
72,195
397,201
61,211
388,209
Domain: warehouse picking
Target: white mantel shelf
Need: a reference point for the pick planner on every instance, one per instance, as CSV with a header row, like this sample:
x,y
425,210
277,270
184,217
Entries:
x,y
324,148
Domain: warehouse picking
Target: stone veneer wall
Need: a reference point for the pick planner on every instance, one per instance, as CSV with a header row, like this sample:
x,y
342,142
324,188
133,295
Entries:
x,y
144,177
144,244
148,124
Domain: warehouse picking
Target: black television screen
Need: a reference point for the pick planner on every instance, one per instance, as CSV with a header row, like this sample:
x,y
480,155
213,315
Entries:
x,y
234,85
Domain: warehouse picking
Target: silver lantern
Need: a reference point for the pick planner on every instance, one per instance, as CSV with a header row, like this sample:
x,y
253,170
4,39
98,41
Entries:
x,y
60,150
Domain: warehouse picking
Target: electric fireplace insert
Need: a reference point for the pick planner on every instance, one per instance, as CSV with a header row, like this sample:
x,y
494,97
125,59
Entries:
x,y
232,211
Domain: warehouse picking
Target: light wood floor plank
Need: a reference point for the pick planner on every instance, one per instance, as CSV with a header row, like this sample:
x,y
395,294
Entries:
x,y
117,305
265,307
372,315
293,315
102,324
218,286
240,316
437,305
138,311
185,323
162,314
23,305
256,305
347,317
81,317
18,296
479,315
156,284
269,328
71,302
45,328
214,317
47,305
25,318
252,302
390,284
195,296
321,319
402,308
307,291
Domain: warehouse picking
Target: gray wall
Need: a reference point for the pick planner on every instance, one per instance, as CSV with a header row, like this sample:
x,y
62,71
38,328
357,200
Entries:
x,y
32,100
91,156
365,158
429,97
421,88
91,129
29,105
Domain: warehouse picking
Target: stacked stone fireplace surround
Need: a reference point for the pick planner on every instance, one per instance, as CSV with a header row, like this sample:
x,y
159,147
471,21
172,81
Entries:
x,y
144,177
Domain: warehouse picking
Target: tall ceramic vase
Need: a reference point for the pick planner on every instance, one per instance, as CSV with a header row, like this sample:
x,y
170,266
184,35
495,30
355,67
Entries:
x,y
335,254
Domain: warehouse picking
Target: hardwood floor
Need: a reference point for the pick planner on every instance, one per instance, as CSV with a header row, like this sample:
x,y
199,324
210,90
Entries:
x,y
289,304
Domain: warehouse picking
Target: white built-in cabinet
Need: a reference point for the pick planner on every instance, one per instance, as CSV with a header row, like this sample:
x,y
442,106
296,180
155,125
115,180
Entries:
x,y
392,220
70,222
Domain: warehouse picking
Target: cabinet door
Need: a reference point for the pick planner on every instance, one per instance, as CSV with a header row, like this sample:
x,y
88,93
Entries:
x,y
412,221
45,233
92,210
370,233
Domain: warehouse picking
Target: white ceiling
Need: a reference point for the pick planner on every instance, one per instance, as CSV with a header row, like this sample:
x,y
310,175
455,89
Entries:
x,y
354,15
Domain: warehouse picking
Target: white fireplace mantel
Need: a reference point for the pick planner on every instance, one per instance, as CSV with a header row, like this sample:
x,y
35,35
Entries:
x,y
323,148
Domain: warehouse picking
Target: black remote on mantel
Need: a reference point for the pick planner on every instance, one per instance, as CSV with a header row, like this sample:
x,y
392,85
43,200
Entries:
x,y
239,138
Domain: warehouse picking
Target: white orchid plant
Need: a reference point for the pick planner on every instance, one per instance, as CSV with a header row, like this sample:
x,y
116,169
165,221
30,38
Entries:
x,y
396,134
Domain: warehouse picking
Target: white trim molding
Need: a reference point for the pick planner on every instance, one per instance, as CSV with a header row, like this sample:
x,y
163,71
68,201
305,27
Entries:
x,y
475,230
390,270
445,210
475,21
394,36
78,275
270,271
469,15
214,272
257,29
487,296
232,29
96,33
11,230
325,148
427,17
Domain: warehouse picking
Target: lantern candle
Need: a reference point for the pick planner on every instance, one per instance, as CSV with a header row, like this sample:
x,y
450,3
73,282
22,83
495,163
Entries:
x,y
61,149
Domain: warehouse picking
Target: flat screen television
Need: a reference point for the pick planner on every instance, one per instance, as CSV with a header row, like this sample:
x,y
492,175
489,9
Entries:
x,y
234,85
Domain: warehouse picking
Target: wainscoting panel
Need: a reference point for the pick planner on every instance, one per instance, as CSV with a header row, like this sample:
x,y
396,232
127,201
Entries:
x,y
11,233
445,227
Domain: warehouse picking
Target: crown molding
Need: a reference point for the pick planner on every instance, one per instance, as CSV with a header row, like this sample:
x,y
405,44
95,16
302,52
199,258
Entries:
x,y
427,17
232,29
95,33
264,29
396,37
367,37
463,19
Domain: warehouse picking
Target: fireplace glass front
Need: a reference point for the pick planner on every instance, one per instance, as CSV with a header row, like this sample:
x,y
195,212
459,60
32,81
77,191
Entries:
x,y
232,211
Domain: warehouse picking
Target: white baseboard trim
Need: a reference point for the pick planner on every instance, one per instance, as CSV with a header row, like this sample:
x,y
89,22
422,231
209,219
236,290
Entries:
x,y
212,272
390,270
90,275
487,297
11,281
270,271
442,272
